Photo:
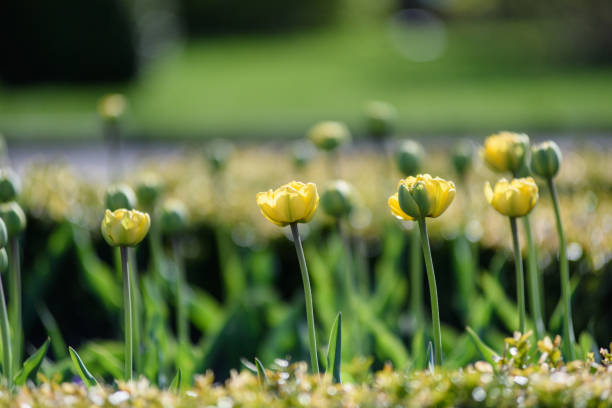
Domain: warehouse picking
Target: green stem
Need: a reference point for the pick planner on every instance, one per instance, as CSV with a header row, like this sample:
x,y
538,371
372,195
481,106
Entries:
x,y
350,290
181,315
127,308
312,337
520,283
568,325
136,309
15,304
416,278
433,292
533,281
6,340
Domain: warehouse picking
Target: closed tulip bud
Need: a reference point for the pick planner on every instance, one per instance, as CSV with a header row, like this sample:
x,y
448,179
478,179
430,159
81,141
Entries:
x,y
409,157
380,119
421,196
111,107
119,196
329,135
14,218
3,260
148,191
463,155
513,199
290,203
125,227
174,217
218,153
9,185
506,151
337,199
546,159
3,234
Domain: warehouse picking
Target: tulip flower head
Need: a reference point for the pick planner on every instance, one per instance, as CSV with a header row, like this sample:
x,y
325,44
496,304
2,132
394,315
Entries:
x,y
505,151
421,196
380,118
337,199
514,198
409,157
148,190
174,217
119,196
9,185
329,135
290,203
463,154
112,106
546,159
125,227
14,218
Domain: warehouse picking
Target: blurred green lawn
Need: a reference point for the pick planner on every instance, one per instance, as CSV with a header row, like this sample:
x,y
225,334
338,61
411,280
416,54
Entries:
x,y
492,76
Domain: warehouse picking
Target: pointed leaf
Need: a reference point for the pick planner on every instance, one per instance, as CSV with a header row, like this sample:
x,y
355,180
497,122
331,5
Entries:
x,y
430,357
175,385
487,352
261,372
248,365
80,368
334,350
32,364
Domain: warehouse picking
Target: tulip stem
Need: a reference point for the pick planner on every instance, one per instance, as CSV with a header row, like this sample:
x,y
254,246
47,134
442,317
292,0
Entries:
x,y
136,309
568,326
127,308
535,303
15,305
182,326
312,337
433,291
6,339
416,278
520,280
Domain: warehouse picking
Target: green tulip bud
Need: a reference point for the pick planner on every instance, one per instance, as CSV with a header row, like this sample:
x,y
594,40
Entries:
x,y
546,159
380,119
3,260
337,199
463,155
3,234
174,217
148,191
14,218
329,135
119,196
218,153
9,185
409,157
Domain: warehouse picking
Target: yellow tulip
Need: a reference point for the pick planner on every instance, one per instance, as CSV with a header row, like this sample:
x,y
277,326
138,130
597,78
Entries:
x,y
292,202
112,106
328,135
125,227
421,196
513,198
505,151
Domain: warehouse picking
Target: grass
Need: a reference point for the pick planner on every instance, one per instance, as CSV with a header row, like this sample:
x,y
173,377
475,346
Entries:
x,y
491,76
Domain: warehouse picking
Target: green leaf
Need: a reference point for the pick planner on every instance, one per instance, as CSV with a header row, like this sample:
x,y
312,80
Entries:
x,y
418,349
80,368
334,349
487,353
175,385
32,364
261,372
430,359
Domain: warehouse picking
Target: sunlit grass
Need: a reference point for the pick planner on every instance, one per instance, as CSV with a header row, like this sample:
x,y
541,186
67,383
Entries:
x,y
493,76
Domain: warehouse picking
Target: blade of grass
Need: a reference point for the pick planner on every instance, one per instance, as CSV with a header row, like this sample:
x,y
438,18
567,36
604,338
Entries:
x,y
81,369
261,372
32,364
487,353
175,385
334,350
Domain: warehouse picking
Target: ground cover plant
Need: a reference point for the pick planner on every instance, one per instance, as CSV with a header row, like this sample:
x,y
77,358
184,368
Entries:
x,y
185,271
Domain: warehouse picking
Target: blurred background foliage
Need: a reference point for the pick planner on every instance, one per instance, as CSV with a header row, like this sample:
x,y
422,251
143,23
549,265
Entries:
x,y
450,66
